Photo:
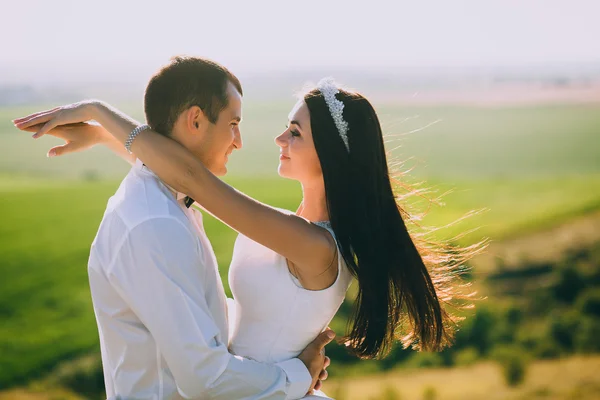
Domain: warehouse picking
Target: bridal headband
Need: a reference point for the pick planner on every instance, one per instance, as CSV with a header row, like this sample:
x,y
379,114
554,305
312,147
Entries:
x,y
329,89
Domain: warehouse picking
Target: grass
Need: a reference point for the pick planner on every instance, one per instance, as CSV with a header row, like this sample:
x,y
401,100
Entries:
x,y
465,143
48,227
496,142
44,302
513,207
45,236
569,378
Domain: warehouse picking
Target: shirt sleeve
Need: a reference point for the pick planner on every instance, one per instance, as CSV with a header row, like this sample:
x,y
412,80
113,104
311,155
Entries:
x,y
158,272
231,316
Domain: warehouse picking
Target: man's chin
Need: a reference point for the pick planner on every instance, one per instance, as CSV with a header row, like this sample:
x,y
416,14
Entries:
x,y
220,171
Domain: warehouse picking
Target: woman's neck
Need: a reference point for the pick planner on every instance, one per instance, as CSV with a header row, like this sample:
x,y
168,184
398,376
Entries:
x,y
314,204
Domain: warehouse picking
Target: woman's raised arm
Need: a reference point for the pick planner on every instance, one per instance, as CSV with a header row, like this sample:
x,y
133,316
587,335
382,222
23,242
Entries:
x,y
308,246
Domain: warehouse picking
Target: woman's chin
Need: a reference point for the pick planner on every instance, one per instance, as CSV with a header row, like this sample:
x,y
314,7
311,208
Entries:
x,y
281,170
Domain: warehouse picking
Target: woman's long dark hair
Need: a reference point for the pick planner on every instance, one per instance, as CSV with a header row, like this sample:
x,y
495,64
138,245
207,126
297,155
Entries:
x,y
402,280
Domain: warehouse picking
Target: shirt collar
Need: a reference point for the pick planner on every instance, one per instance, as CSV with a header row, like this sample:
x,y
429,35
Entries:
x,y
139,165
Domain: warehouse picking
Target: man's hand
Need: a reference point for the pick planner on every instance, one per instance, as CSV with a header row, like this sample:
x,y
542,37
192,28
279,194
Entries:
x,y
323,375
313,356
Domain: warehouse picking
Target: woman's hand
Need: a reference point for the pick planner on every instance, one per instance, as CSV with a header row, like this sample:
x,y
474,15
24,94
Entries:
x,y
63,115
73,123
78,136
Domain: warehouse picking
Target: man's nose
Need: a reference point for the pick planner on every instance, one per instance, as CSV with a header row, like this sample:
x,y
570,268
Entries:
x,y
237,139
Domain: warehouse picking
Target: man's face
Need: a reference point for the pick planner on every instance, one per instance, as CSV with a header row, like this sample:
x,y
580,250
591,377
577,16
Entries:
x,y
213,143
223,136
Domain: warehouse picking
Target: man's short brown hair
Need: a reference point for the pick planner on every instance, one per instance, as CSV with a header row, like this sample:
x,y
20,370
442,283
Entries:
x,y
187,82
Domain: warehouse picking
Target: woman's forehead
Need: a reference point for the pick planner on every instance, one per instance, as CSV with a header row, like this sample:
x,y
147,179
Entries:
x,y
299,111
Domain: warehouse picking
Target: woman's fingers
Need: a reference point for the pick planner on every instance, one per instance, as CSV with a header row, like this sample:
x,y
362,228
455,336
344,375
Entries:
x,y
69,147
48,126
38,119
32,128
58,131
18,120
58,150
39,125
70,113
27,120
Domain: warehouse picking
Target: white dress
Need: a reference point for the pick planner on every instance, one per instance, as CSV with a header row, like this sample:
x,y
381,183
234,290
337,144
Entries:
x,y
273,318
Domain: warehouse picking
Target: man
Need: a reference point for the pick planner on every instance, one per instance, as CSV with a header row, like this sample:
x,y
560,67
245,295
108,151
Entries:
x,y
158,297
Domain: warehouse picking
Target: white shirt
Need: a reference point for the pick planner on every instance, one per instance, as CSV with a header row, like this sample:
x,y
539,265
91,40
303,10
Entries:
x,y
161,308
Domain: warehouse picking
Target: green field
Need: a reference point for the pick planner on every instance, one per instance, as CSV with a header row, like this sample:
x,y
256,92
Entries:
x,y
531,168
578,380
46,233
451,143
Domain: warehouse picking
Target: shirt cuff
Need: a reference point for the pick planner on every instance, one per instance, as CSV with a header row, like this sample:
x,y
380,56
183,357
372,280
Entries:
x,y
298,377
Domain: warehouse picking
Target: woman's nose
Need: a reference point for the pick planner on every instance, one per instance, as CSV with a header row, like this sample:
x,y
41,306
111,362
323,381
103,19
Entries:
x,y
281,140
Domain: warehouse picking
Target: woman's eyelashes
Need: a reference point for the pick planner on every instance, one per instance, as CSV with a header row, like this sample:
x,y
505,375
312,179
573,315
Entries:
x,y
293,132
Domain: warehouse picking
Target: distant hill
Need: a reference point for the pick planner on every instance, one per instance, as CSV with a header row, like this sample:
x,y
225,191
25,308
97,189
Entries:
x,y
387,83
17,95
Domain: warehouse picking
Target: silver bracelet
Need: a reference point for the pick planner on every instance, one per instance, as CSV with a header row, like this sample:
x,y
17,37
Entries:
x,y
136,131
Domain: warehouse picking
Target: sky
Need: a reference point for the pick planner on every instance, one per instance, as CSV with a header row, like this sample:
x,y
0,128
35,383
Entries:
x,y
68,40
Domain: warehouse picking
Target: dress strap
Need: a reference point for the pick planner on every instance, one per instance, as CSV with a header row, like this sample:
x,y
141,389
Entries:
x,y
324,224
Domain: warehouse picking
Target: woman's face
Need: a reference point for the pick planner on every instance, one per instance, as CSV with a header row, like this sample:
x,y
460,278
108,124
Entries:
x,y
298,157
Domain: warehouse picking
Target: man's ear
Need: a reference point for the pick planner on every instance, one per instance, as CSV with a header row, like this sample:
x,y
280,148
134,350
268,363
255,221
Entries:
x,y
196,119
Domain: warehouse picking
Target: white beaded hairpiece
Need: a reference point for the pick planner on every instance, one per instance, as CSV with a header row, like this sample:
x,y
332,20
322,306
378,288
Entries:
x,y
329,89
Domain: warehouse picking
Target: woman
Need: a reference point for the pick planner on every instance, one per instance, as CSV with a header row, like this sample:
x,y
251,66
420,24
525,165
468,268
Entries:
x,y
348,224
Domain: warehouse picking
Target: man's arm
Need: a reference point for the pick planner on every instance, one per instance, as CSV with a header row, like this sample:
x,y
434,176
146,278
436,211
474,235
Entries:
x,y
157,273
